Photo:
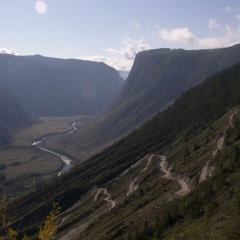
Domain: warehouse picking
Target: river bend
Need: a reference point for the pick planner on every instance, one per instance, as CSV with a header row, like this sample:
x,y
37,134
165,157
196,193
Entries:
x,y
66,160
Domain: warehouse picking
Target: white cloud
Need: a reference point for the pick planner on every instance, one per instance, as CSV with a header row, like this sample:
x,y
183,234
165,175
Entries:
x,y
134,23
238,16
129,52
111,50
221,36
123,59
232,9
225,37
7,51
142,46
182,35
213,42
229,8
118,63
213,23
132,47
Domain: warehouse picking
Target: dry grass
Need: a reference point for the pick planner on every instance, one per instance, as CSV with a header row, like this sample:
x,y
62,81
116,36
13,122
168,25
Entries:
x,y
47,125
22,160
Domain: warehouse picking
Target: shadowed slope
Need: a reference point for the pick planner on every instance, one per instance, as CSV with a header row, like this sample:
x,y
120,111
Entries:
x,y
12,117
59,87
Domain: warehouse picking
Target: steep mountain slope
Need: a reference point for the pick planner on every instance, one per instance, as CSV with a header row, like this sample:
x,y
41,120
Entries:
x,y
12,117
59,87
122,189
159,76
156,79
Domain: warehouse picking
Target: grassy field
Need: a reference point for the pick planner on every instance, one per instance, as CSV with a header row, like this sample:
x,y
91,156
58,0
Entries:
x,y
64,143
23,166
23,158
46,126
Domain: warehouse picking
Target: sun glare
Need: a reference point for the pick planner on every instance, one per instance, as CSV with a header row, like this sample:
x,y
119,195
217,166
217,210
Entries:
x,y
40,7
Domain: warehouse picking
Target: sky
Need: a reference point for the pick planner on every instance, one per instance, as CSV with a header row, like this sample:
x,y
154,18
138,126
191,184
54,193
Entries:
x,y
114,31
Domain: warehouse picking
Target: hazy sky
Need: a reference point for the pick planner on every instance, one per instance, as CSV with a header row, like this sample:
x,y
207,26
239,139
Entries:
x,y
113,31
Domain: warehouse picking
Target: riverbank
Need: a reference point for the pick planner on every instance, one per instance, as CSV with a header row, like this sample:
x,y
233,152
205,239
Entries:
x,y
23,166
22,159
67,162
45,127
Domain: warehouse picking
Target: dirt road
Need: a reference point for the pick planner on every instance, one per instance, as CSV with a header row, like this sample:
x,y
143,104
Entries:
x,y
112,203
132,186
220,142
168,175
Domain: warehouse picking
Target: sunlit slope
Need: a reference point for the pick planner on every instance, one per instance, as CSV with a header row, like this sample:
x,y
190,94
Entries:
x,y
156,79
187,135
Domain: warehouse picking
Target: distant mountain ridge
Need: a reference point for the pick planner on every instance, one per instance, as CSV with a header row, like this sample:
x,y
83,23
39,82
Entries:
x,y
157,78
59,87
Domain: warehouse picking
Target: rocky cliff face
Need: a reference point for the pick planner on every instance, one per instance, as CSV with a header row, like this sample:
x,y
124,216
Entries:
x,y
160,76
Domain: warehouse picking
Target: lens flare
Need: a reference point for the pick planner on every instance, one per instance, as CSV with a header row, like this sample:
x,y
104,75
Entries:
x,y
40,7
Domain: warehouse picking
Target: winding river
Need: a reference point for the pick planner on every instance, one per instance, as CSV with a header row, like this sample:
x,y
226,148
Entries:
x,y
66,160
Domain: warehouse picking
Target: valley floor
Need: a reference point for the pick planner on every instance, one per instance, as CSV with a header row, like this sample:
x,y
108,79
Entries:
x,y
25,166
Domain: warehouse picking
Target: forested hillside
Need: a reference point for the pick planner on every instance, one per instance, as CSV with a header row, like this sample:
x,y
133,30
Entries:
x,y
187,134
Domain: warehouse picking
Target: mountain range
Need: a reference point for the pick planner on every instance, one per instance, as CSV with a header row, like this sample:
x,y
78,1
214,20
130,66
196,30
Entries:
x,y
59,87
175,177
156,79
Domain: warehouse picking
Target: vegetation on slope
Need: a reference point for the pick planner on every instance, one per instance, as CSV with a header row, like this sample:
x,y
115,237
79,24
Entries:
x,y
46,232
194,112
